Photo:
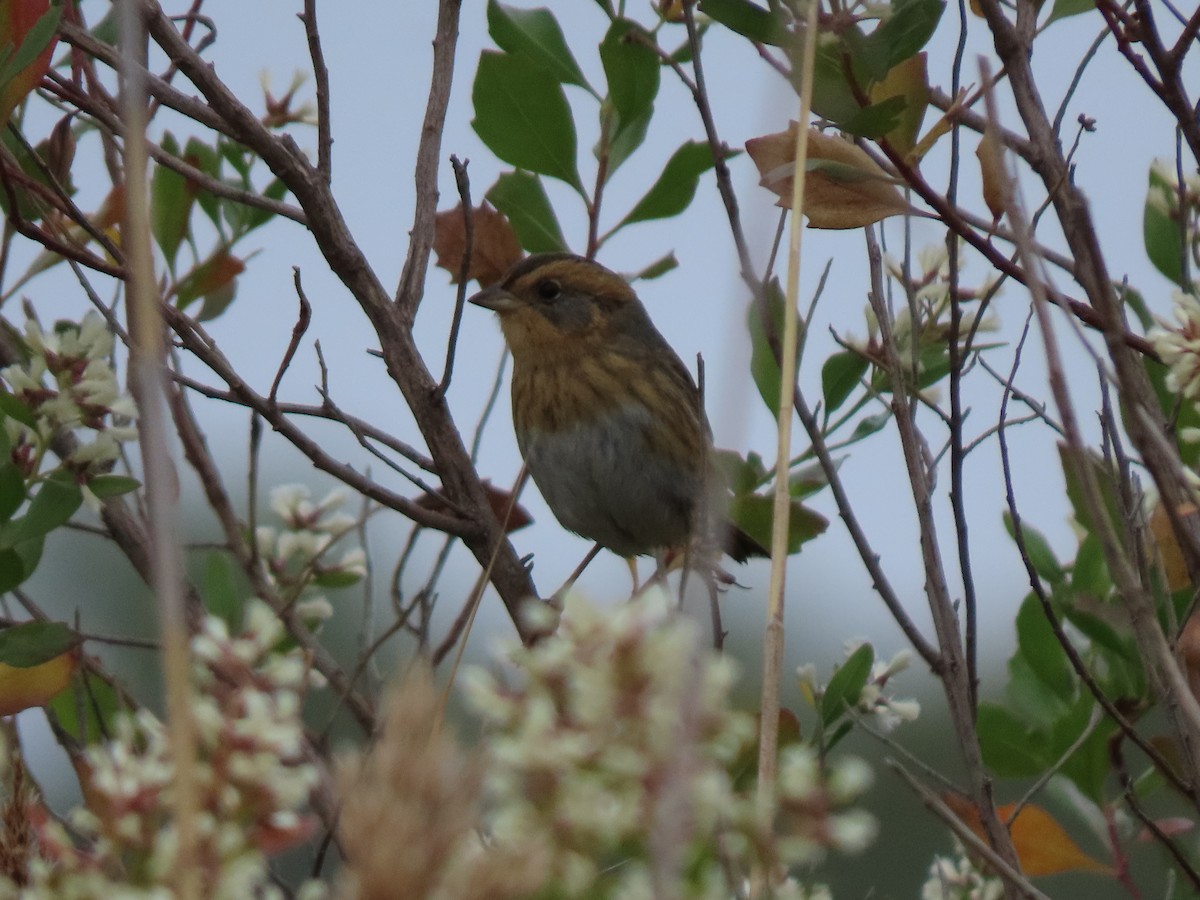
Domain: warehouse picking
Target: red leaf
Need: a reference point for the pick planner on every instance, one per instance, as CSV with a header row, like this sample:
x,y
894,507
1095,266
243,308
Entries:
x,y
17,19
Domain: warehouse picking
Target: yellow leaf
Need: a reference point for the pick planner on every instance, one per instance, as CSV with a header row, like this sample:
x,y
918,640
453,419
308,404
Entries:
x,y
940,128
23,688
1174,568
909,81
845,188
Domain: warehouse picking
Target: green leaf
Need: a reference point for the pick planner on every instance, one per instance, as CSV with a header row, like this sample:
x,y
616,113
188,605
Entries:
x,y
108,29
104,486
876,120
536,35
1042,652
1105,480
900,35
217,301
1026,692
833,97
523,117
754,514
30,205
250,217
239,157
1044,562
761,26
1065,8
657,269
171,199
1161,232
12,490
1132,298
808,480
522,199
91,699
222,595
337,579
633,74
13,570
870,425
675,188
1089,765
208,160
847,683
1122,675
840,375
1089,574
33,643
52,506
763,366
740,475
1011,748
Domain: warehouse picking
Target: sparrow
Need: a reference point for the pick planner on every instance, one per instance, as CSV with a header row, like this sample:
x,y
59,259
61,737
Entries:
x,y
607,417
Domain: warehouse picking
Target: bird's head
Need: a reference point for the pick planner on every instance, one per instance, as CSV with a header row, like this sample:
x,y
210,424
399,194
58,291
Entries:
x,y
553,303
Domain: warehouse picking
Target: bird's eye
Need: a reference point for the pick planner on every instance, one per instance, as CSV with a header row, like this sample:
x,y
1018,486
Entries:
x,y
549,289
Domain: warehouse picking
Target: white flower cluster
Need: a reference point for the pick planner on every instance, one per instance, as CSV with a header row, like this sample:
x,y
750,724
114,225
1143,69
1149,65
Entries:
x,y
620,740
252,776
1179,347
879,709
295,555
68,384
957,879
887,712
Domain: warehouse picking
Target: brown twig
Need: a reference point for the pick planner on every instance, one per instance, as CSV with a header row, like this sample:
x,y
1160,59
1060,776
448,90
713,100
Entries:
x,y
412,279
298,330
463,182
197,342
321,77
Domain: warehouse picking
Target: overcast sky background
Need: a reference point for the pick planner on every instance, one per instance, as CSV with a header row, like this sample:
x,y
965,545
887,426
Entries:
x,y
379,54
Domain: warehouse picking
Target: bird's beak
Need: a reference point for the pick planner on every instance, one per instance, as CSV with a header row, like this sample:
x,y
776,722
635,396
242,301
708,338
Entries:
x,y
496,299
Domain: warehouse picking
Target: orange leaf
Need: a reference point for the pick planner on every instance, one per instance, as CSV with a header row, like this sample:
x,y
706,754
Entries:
x,y
23,688
494,244
1043,846
845,187
17,19
1189,651
217,272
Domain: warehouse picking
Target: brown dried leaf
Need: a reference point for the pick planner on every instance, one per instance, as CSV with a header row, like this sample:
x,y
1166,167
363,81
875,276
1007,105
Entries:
x,y
997,189
845,189
494,245
500,500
